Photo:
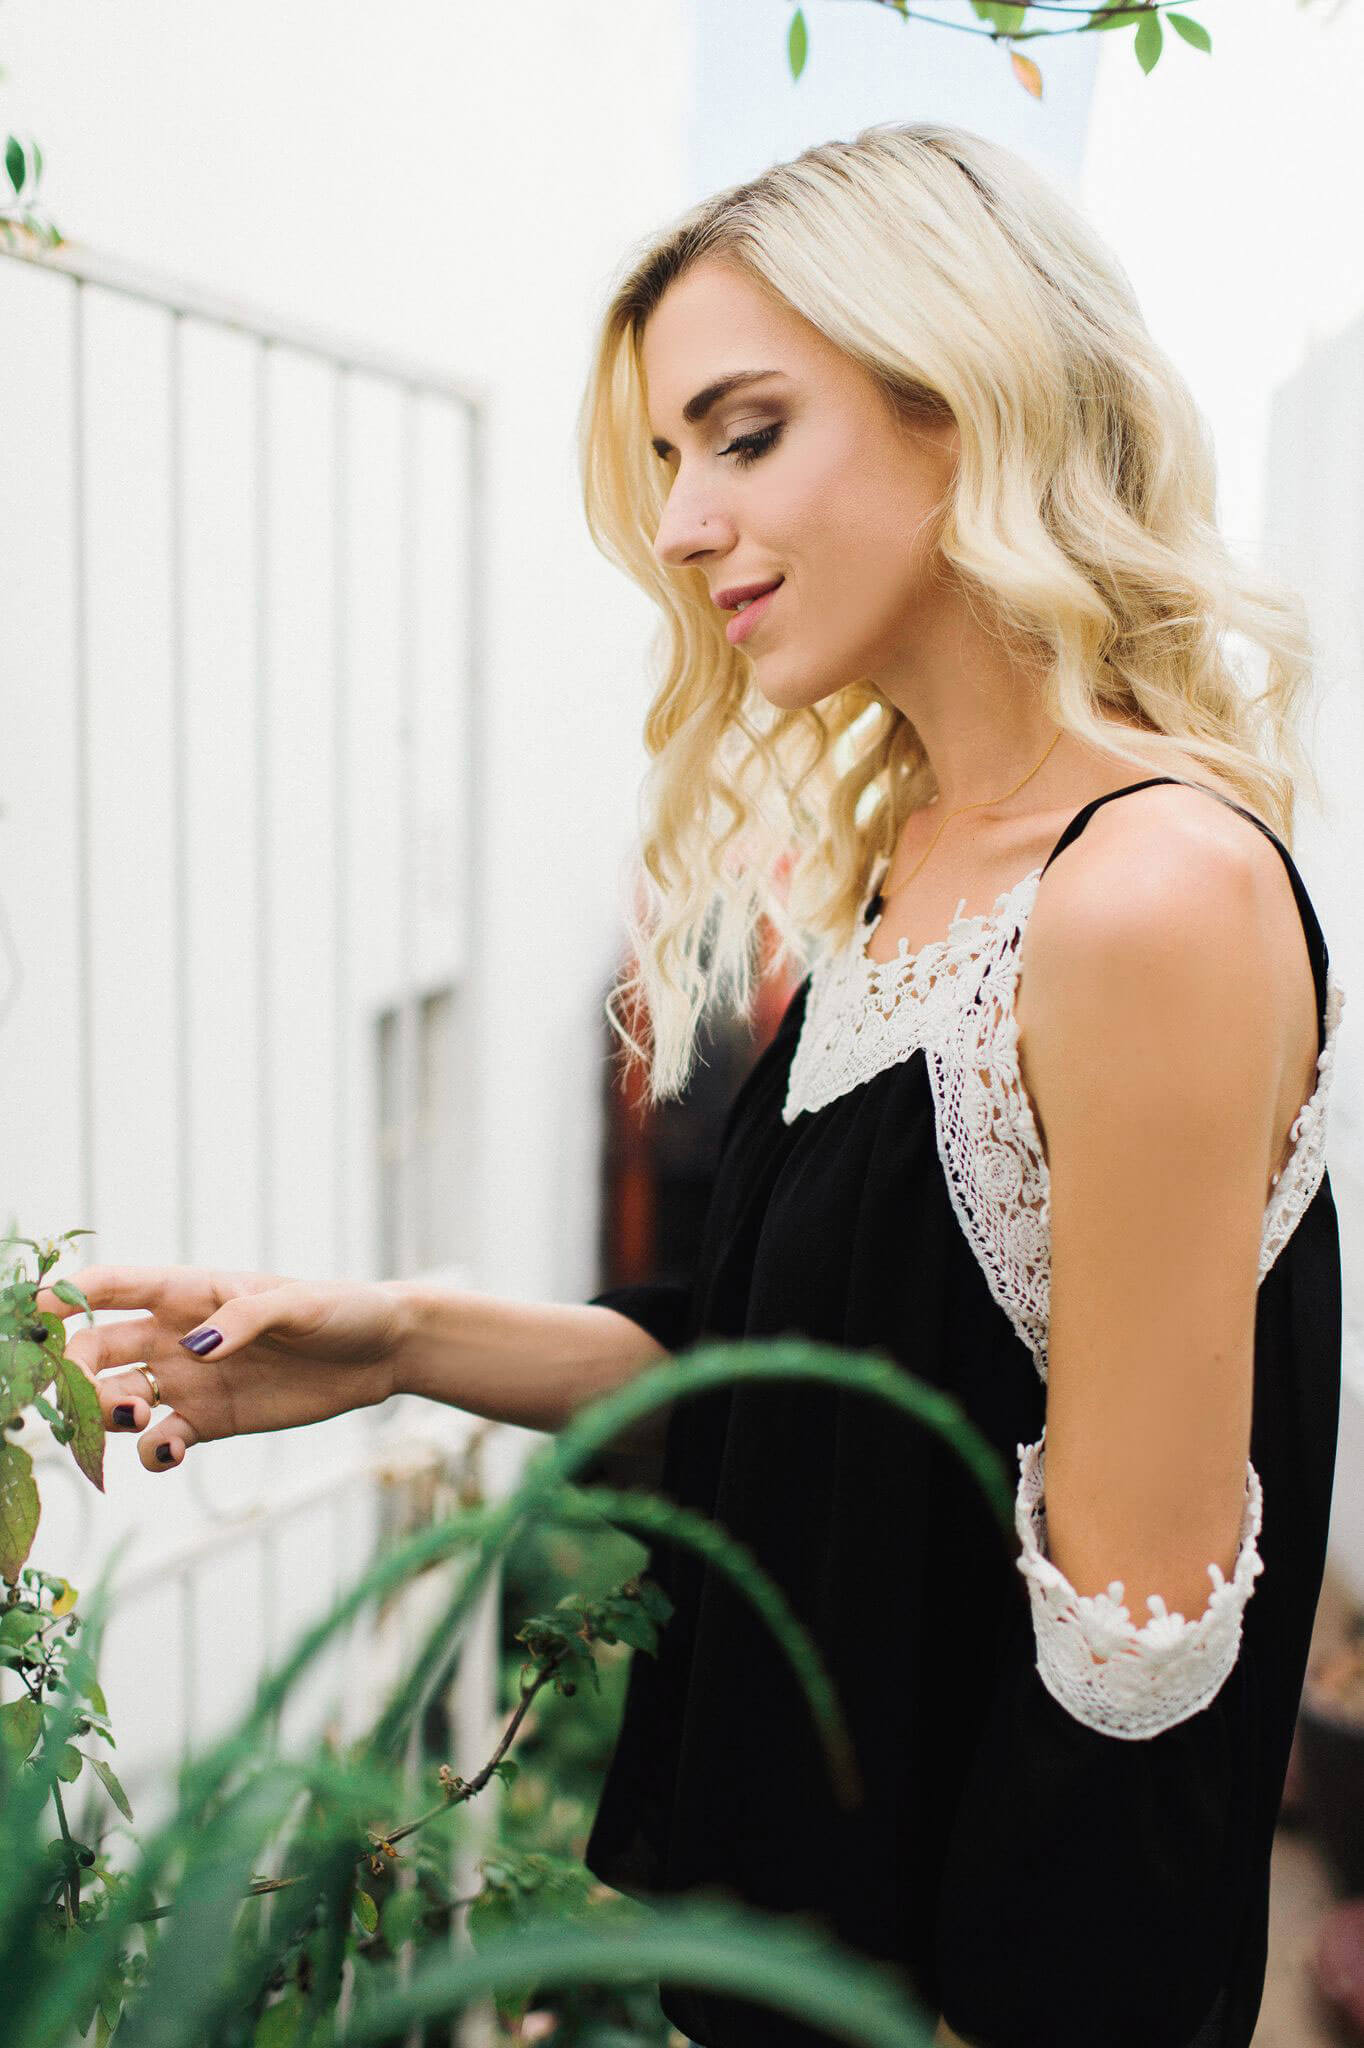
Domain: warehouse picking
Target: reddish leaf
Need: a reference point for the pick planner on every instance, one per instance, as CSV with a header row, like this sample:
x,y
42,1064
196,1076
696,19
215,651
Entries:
x,y
1027,73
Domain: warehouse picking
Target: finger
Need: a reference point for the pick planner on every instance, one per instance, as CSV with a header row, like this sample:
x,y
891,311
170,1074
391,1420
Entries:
x,y
116,1344
111,1287
292,1309
124,1408
125,1400
165,1446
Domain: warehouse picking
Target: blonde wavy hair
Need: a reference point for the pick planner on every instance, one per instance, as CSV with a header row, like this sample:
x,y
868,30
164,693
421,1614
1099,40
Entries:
x,y
1081,522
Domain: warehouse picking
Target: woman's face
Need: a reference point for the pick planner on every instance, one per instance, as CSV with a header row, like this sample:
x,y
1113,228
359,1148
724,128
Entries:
x,y
808,476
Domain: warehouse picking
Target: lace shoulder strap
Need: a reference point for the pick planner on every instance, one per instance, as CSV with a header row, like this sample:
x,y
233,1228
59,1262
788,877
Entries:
x,y
988,1139
1316,942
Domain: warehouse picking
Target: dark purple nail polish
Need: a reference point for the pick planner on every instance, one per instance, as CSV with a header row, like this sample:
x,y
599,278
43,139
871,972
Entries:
x,y
163,1454
123,1415
202,1341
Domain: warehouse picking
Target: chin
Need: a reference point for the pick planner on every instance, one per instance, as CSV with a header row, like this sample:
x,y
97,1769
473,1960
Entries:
x,y
792,693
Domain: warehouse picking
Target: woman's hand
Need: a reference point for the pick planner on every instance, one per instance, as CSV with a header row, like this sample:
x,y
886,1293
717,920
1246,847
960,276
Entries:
x,y
289,1351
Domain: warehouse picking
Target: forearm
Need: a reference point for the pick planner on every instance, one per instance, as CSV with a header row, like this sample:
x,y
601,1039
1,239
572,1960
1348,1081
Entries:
x,y
532,1363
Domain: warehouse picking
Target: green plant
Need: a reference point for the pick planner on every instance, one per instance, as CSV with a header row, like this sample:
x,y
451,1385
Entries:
x,y
1007,24
24,212
191,1947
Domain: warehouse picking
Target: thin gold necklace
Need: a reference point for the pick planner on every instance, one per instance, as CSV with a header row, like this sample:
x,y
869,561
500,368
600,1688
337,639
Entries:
x,y
879,901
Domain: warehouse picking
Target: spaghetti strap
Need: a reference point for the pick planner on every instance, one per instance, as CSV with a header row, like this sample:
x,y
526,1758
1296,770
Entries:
x,y
1316,943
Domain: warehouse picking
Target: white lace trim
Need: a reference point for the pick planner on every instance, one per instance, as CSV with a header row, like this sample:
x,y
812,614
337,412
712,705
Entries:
x,y
863,1015
1151,1677
954,999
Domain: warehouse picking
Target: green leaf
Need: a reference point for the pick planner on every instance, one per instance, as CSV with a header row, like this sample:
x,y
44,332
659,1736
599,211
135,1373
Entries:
x,y
64,1290
21,1723
401,1914
20,1625
70,1764
1115,17
55,1339
277,2027
635,1629
112,1786
37,174
366,1912
722,1946
19,1508
25,1370
1192,31
1007,20
1148,43
79,1403
14,162
797,43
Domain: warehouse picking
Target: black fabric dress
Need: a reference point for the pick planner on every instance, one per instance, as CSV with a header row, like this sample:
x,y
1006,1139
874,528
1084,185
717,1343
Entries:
x,y
1040,1881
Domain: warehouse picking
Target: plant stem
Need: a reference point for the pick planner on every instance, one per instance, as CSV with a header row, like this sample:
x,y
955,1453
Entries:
x,y
73,1883
455,1797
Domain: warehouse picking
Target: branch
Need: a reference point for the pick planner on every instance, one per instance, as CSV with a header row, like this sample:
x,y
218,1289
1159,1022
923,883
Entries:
x,y
1126,9
457,1790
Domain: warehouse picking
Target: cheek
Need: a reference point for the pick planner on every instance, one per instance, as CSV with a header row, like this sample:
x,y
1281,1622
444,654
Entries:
x,y
860,519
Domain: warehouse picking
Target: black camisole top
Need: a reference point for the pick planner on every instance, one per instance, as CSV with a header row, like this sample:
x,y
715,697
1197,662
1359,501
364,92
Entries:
x,y
1040,1875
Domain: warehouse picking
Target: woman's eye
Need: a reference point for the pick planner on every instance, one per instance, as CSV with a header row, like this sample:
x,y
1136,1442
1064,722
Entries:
x,y
748,447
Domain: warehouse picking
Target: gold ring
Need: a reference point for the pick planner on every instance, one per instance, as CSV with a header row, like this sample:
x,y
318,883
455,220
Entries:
x,y
151,1382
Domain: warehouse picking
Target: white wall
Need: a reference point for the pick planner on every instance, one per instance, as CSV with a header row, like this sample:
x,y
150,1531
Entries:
x,y
425,181
444,182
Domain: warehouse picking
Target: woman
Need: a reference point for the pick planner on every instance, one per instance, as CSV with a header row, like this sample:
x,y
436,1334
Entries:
x,y
1044,1121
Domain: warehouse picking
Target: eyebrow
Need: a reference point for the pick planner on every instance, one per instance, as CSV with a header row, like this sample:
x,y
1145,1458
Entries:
x,y
696,408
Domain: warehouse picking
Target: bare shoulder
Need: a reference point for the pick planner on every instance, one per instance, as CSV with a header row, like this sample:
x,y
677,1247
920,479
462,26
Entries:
x,y
1175,861
1153,846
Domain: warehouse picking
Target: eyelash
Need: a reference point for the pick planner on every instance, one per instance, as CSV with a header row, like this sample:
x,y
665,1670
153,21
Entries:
x,y
749,447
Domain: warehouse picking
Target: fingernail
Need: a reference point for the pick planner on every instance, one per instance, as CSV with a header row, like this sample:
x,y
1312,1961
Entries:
x,y
123,1415
200,1341
163,1454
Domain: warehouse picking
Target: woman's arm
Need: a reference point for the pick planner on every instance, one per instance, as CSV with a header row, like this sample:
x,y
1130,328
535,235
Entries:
x,y
532,1363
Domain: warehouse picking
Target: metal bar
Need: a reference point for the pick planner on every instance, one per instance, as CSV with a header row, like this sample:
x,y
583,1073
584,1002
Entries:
x,y
479,570
249,1527
265,1537
337,1652
265,1212
408,995
80,639
189,1653
179,781
341,1091
173,294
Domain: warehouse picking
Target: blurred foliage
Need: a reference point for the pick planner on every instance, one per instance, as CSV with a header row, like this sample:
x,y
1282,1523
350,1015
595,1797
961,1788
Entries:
x,y
193,1946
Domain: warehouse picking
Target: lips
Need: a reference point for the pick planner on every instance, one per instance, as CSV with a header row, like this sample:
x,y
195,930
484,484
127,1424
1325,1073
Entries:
x,y
749,620
736,592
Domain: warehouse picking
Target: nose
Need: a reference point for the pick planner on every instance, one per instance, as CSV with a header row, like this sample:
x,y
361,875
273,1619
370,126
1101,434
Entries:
x,y
689,532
